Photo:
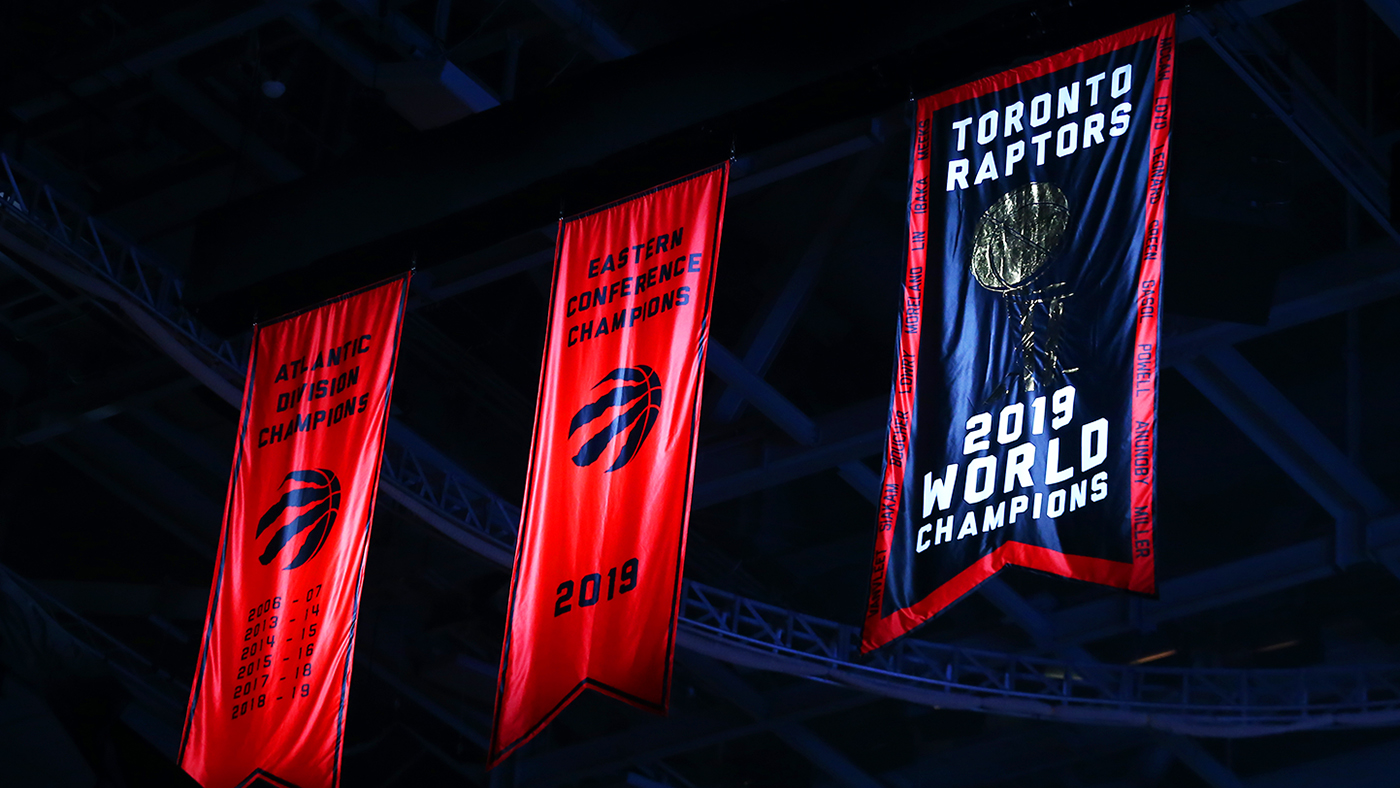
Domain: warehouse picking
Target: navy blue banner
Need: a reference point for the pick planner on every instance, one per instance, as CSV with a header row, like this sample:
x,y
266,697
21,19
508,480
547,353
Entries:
x,y
1023,416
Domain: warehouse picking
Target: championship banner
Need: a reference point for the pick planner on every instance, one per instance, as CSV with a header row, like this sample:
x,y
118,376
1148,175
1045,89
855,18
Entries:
x,y
1023,431
270,688
597,581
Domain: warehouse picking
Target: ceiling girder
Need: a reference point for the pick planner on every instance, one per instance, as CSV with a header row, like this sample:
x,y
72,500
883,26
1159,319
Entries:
x,y
1190,752
162,55
1389,13
500,174
1291,440
779,409
776,321
719,679
230,131
54,427
685,730
748,173
1279,77
584,24
118,489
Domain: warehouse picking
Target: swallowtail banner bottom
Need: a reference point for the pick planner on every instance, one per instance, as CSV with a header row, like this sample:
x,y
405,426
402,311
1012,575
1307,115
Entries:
x,y
597,579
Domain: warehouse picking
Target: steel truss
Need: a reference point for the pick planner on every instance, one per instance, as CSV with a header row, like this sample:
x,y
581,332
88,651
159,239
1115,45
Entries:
x,y
61,238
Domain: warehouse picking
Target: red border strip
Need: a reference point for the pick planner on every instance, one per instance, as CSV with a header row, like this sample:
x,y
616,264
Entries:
x,y
1076,567
902,397
1139,575
1149,309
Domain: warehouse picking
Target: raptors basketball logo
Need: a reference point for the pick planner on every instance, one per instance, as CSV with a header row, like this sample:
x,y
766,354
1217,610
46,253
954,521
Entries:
x,y
314,505
638,390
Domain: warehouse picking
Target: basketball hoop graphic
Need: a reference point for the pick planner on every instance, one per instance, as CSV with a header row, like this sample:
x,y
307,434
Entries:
x,y
1011,248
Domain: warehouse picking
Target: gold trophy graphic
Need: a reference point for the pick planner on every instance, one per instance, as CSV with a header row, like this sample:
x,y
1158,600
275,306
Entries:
x,y
1014,242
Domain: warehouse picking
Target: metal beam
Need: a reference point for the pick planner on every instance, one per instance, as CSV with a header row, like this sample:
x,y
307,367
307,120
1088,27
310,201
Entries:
x,y
1389,13
1291,91
344,52
747,464
754,171
750,172
1292,441
1331,466
61,426
1153,766
162,55
583,23
423,191
777,320
438,292
367,70
1191,753
724,682
132,465
414,43
224,126
52,640
118,489
399,31
780,410
1345,280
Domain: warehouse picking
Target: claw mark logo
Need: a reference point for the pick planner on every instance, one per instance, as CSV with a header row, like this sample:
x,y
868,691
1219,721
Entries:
x,y
313,506
640,416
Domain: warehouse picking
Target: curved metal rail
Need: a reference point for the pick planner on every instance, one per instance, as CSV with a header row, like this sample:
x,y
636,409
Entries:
x,y
1229,703
1195,701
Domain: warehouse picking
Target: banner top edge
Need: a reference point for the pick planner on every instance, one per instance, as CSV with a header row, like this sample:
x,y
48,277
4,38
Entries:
x,y
1010,77
646,192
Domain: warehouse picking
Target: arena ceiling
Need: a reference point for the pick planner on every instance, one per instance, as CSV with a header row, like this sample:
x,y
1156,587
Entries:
x,y
450,135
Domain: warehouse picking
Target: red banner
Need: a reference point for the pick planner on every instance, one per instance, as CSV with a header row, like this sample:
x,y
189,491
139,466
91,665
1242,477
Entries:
x,y
596,587
273,676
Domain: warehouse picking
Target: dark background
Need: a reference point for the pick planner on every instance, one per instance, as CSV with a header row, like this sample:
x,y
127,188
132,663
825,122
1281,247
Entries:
x,y
153,116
